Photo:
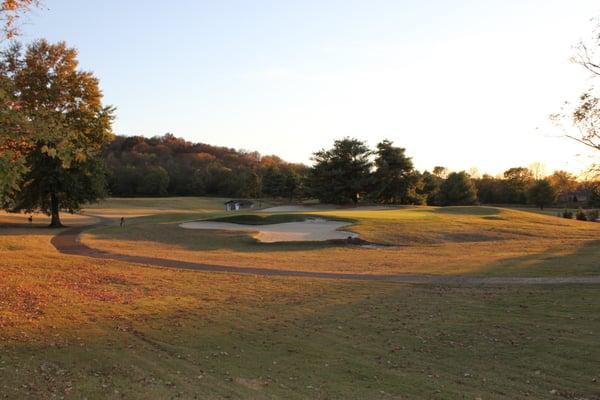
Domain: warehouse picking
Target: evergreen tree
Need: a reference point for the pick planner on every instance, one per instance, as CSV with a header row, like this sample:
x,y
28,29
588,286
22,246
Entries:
x,y
458,190
395,180
341,175
541,193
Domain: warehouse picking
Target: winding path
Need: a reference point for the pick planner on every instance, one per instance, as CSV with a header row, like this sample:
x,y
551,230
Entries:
x,y
67,242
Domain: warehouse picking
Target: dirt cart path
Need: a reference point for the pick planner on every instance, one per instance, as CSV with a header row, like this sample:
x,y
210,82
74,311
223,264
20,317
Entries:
x,y
67,242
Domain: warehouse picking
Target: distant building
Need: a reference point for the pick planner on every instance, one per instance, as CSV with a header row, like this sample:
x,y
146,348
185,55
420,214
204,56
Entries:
x,y
575,197
235,205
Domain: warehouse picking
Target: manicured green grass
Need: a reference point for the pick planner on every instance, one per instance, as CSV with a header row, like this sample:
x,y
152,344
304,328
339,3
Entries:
x,y
431,240
267,219
170,203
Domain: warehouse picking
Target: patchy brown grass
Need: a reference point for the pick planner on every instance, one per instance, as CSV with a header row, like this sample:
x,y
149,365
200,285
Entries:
x,y
73,327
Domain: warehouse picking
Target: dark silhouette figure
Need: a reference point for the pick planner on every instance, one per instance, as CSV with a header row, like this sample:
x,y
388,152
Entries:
x,y
122,221
30,219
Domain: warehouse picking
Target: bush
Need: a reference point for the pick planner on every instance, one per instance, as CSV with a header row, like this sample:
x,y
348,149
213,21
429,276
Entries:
x,y
593,215
580,216
567,214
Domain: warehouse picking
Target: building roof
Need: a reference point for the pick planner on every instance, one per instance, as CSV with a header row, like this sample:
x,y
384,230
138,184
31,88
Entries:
x,y
241,202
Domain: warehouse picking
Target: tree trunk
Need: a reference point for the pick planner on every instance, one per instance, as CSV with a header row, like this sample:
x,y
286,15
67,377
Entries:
x,y
54,209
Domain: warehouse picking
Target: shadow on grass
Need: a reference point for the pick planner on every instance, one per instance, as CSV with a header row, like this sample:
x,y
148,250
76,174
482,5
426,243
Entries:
x,y
467,210
270,219
11,229
351,341
583,260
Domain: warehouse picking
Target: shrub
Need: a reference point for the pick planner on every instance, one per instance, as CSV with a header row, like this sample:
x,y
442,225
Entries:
x,y
580,216
593,215
567,214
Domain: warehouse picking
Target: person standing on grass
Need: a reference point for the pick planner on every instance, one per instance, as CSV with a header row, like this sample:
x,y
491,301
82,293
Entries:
x,y
122,221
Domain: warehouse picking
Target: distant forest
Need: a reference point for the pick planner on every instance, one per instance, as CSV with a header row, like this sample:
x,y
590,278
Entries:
x,y
170,166
347,173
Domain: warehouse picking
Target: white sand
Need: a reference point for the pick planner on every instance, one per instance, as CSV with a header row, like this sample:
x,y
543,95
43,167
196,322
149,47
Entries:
x,y
310,230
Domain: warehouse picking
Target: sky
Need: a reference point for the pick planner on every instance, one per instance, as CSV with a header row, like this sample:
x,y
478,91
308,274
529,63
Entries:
x,y
458,83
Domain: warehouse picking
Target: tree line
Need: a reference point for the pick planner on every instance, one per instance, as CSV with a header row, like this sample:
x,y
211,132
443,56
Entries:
x,y
350,172
347,173
170,166
58,152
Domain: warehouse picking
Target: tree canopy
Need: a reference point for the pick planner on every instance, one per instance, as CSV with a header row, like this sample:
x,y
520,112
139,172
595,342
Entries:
x,y
67,127
197,169
586,115
10,12
541,193
458,189
395,180
341,174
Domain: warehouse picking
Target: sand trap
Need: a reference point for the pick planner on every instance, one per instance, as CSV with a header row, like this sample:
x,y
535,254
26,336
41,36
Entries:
x,y
311,230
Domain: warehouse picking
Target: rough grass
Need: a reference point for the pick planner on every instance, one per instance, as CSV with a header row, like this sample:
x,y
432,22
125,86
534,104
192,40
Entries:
x,y
73,327
452,240
78,328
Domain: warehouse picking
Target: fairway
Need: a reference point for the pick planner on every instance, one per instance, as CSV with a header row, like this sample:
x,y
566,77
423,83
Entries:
x,y
78,327
478,241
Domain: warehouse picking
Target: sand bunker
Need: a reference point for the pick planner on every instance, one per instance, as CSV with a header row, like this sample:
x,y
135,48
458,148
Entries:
x,y
311,230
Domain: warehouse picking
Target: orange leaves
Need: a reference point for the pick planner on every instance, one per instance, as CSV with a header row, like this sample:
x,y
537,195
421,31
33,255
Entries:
x,y
10,11
17,147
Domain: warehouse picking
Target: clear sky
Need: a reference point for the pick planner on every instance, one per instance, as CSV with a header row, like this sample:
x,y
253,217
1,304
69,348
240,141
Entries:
x,y
458,83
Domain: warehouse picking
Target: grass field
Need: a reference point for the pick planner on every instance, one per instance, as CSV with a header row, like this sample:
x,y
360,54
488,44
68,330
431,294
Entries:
x,y
74,327
454,240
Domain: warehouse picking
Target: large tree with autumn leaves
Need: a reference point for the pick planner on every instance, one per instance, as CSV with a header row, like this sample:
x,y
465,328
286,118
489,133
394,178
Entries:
x,y
12,123
57,127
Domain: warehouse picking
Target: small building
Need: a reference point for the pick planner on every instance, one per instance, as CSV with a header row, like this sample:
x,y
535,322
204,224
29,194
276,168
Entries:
x,y
575,197
235,205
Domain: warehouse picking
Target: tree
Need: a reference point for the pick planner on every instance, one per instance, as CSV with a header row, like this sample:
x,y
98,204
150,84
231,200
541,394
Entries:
x,y
586,118
341,175
249,184
541,193
440,172
63,108
489,189
458,189
563,182
588,51
593,190
13,142
518,181
586,115
273,181
395,181
431,188
10,12
153,182
199,169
